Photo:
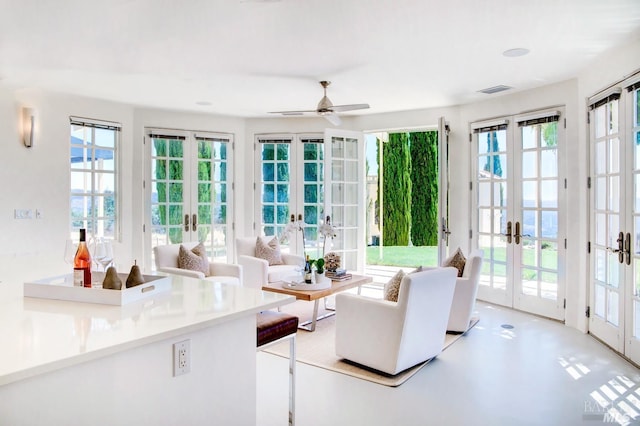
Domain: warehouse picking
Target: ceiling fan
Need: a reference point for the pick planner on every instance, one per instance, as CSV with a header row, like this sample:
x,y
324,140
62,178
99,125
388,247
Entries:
x,y
326,108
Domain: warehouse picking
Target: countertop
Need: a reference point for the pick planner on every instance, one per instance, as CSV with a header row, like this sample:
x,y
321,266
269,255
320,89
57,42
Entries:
x,y
42,335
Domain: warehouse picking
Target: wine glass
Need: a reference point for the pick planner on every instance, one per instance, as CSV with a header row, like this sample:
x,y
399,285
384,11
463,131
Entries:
x,y
103,252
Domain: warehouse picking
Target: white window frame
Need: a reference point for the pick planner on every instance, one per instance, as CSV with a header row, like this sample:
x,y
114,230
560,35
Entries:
x,y
91,221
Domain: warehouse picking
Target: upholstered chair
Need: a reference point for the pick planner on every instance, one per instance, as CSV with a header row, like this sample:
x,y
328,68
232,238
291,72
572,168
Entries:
x,y
393,336
166,258
257,271
464,298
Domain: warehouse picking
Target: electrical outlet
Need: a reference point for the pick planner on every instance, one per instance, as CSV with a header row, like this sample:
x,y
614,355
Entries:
x,y
181,358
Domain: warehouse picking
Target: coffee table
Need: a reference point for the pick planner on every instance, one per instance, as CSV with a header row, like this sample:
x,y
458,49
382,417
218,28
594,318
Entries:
x,y
316,295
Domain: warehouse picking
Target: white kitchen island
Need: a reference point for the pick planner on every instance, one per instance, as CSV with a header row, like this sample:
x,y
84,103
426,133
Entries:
x,y
74,363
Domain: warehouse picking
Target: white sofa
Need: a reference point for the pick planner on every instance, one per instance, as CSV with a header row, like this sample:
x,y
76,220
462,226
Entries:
x,y
393,336
166,259
257,271
464,298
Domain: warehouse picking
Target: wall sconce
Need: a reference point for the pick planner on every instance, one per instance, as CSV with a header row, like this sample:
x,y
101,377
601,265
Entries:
x,y
28,126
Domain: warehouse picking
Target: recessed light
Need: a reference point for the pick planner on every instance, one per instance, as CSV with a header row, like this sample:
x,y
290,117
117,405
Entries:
x,y
203,103
518,51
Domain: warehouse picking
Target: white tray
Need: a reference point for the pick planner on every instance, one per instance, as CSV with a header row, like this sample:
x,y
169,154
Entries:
x,y
62,288
306,287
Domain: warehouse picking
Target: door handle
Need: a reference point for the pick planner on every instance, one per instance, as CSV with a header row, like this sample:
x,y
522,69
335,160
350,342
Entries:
x,y
186,223
194,223
627,248
517,234
508,234
621,248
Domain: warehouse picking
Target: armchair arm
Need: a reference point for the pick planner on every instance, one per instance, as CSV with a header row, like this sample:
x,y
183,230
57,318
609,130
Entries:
x,y
180,271
464,299
368,330
228,269
255,270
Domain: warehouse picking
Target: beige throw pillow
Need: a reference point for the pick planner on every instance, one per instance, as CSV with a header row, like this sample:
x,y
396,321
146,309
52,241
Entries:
x,y
269,252
195,259
457,260
392,288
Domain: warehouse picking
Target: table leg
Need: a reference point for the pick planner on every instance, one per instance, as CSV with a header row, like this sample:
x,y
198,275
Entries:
x,y
310,325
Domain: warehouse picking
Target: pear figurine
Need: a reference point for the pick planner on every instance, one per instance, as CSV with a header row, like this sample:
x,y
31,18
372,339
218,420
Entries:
x,y
135,276
111,279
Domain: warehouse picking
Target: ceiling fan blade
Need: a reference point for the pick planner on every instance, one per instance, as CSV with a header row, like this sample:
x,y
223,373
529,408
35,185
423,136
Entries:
x,y
301,112
343,108
333,119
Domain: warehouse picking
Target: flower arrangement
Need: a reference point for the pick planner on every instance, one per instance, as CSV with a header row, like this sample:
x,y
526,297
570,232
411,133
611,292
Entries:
x,y
332,261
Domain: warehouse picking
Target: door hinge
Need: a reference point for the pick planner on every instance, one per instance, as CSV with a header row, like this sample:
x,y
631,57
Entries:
x,y
470,186
144,228
589,182
565,243
589,247
470,233
564,304
144,184
565,123
233,186
565,183
587,313
588,118
470,138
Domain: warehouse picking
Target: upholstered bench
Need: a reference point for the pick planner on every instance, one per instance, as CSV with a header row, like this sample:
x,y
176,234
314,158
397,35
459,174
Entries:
x,y
275,327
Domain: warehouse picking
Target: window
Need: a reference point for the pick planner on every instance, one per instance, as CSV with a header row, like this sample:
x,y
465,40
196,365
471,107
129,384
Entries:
x,y
93,162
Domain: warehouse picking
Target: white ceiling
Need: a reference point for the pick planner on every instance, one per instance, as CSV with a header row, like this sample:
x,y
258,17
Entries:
x,y
247,57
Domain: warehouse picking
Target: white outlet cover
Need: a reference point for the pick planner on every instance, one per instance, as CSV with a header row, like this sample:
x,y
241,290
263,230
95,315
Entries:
x,y
181,358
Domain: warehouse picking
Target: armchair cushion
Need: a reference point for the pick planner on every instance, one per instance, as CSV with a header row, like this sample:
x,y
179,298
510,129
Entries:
x,y
392,287
457,260
194,260
269,251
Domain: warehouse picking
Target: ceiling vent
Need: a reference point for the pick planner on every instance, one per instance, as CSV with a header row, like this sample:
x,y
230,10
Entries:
x,y
495,89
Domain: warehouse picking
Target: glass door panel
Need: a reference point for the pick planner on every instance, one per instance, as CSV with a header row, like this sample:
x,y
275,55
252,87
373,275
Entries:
x,y
493,229
609,223
538,287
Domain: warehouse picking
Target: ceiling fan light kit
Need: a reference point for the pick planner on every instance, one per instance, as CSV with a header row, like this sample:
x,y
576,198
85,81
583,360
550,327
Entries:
x,y
326,108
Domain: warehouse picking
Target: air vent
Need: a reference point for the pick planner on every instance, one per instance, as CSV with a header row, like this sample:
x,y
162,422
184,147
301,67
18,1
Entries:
x,y
495,89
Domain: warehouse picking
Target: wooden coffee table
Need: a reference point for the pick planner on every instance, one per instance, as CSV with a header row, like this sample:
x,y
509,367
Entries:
x,y
316,295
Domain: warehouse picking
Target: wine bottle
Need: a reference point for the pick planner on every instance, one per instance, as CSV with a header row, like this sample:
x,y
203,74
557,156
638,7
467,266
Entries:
x,y
307,271
82,263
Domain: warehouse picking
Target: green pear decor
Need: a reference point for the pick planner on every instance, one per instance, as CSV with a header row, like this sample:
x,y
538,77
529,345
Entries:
x,y
135,276
111,279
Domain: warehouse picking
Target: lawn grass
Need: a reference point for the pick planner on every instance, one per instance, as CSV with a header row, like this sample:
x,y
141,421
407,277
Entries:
x,y
403,256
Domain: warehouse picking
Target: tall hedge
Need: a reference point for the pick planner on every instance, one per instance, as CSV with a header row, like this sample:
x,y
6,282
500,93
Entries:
x,y
396,190
424,191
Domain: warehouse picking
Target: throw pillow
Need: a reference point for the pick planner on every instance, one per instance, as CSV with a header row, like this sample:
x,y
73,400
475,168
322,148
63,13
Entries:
x,y
457,260
270,251
195,259
392,288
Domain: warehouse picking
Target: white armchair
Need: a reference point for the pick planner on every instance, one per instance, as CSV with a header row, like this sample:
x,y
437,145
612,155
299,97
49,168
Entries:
x,y
166,258
464,298
257,271
393,336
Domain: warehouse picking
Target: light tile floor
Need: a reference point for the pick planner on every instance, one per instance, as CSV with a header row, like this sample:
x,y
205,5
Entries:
x,y
540,372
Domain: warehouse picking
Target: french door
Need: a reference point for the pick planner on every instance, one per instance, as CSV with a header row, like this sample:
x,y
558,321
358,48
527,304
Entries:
x,y
188,190
614,306
518,223
304,178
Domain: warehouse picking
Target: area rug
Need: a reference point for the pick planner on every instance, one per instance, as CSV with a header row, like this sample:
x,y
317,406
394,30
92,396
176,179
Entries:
x,y
318,349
